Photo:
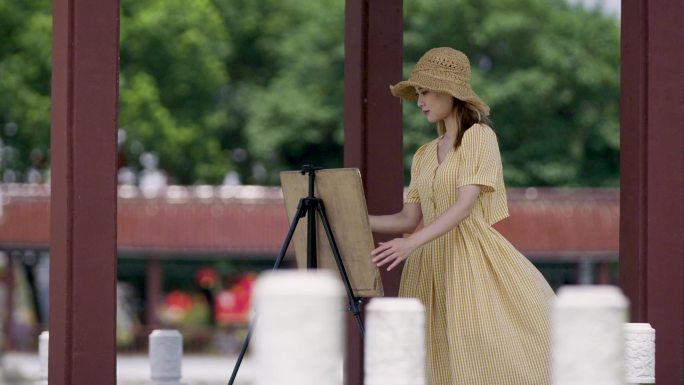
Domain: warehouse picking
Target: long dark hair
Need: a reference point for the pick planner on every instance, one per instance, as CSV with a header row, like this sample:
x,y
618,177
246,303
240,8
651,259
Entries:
x,y
468,115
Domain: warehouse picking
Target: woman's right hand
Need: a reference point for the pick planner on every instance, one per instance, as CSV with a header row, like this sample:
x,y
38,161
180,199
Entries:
x,y
393,252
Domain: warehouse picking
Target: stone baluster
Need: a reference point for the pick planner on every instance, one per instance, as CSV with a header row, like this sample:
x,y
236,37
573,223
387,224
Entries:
x,y
639,353
299,330
166,355
588,336
395,342
43,348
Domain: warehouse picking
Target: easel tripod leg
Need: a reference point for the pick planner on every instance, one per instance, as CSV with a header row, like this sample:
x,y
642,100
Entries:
x,y
353,301
301,211
299,214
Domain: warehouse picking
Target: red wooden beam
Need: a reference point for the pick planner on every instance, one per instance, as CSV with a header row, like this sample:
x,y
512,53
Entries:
x,y
83,186
652,179
373,125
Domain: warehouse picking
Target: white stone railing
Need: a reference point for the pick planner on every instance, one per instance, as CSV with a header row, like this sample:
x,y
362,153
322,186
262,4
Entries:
x,y
592,344
639,353
166,356
395,342
300,336
299,332
43,344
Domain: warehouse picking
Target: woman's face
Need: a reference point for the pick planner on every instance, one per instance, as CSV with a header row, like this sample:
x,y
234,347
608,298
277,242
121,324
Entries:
x,y
435,105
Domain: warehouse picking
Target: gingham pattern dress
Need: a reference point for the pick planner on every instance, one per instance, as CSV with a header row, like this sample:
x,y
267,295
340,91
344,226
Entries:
x,y
487,305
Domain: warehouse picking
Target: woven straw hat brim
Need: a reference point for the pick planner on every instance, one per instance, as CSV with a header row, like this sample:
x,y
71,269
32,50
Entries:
x,y
407,89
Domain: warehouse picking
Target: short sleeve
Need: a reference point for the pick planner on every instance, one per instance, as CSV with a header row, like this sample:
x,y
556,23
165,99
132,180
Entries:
x,y
481,158
412,193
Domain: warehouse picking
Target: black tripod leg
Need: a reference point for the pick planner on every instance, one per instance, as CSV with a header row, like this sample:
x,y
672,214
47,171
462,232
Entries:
x,y
301,211
353,301
299,214
242,353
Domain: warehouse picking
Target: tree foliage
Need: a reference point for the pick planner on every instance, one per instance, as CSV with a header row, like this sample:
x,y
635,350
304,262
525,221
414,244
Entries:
x,y
172,70
25,27
256,86
549,72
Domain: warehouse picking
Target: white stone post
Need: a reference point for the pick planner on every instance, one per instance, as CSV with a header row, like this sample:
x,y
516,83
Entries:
x,y
395,342
299,328
166,354
588,337
43,347
639,353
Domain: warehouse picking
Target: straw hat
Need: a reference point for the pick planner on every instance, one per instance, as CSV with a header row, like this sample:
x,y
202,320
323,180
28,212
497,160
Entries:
x,y
441,69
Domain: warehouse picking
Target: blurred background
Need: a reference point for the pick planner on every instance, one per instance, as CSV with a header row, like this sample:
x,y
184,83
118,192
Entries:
x,y
218,96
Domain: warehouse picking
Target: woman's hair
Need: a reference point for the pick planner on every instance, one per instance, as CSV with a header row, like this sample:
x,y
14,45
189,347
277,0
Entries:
x,y
468,115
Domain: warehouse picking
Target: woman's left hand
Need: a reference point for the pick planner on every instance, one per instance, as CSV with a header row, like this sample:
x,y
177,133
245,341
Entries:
x,y
393,252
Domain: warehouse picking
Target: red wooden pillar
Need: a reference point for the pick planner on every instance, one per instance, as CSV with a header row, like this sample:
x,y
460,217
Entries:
x,y
605,273
83,202
373,125
652,175
9,302
153,289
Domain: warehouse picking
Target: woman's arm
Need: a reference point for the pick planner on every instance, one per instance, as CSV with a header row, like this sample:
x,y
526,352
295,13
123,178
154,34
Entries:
x,y
402,222
398,249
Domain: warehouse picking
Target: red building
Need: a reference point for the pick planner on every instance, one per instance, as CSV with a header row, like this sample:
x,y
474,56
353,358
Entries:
x,y
570,234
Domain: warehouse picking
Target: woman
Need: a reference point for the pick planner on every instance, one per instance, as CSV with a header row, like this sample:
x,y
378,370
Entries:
x,y
487,305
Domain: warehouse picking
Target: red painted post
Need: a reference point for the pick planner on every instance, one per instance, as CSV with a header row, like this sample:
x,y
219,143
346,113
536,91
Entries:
x,y
652,180
153,289
9,303
83,192
633,177
373,125
605,273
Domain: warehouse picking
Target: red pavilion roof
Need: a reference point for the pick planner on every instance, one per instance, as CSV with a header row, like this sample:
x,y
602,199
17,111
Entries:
x,y
250,221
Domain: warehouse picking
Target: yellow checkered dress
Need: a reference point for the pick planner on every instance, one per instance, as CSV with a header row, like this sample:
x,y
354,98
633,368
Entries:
x,y
487,305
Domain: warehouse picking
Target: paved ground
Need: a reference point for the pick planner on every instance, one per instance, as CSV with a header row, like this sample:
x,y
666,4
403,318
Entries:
x,y
22,369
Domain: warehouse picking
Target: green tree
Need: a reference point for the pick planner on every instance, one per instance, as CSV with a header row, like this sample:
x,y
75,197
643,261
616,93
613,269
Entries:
x,y
296,118
172,71
256,86
257,29
549,72
25,27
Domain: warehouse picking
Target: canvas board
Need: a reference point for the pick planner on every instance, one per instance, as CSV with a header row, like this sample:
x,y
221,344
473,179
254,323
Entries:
x,y
341,191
